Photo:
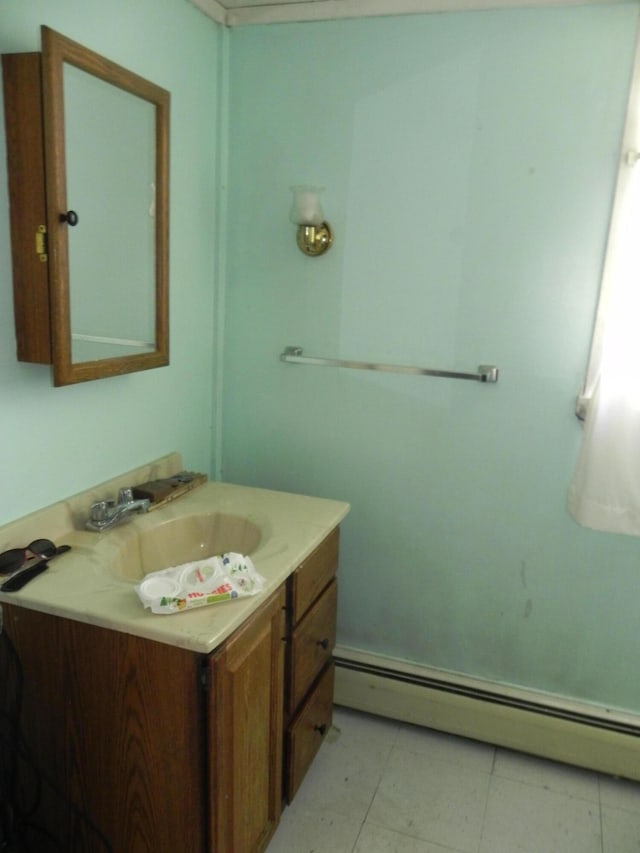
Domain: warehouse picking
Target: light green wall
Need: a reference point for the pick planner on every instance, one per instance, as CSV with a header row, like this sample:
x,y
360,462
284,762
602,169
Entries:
x,y
469,162
55,442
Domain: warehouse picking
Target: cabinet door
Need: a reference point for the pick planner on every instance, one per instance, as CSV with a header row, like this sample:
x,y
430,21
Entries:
x,y
21,76
111,724
245,712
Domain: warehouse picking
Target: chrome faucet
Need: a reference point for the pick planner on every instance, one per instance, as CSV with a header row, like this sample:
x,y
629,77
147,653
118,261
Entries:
x,y
107,513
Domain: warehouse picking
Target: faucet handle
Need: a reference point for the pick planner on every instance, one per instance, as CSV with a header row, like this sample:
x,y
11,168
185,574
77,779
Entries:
x,y
125,495
100,509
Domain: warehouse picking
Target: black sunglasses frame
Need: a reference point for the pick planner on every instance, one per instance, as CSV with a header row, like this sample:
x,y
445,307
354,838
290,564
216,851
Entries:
x,y
15,558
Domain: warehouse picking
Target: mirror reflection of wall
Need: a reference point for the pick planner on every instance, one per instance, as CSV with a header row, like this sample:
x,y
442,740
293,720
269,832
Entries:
x,y
88,168
110,164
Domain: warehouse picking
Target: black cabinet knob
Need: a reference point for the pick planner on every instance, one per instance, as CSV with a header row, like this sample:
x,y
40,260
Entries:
x,y
70,217
321,729
324,643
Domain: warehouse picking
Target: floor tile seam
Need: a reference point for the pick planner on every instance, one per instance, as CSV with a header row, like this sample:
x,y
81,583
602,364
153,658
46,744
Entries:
x,y
606,800
494,760
484,813
384,765
595,800
485,837
601,820
461,765
617,808
396,734
307,810
392,828
357,840
379,825
360,740
383,770
599,781
312,813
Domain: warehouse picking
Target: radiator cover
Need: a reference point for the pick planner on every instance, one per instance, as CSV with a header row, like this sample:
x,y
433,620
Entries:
x,y
577,733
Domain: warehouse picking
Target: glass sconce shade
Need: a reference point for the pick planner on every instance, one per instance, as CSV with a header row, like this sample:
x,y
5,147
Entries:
x,y
306,208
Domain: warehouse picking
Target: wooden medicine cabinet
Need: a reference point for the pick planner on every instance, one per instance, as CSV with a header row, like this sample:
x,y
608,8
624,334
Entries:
x,y
88,168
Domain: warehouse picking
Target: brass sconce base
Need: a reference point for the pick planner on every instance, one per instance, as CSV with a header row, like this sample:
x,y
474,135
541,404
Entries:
x,y
314,240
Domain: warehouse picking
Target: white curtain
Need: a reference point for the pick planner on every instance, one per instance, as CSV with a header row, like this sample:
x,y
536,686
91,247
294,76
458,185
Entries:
x,y
605,490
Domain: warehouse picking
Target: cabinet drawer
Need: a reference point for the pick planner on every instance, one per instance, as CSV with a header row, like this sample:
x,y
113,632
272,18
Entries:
x,y
313,574
312,643
307,732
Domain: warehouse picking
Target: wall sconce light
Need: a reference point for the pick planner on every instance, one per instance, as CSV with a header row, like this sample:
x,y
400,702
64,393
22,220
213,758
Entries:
x,y
314,235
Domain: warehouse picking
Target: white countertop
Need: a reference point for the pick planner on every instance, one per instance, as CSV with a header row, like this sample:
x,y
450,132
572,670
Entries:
x,y
81,585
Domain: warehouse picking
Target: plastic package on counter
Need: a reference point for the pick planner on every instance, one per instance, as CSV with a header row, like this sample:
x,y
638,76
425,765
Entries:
x,y
196,584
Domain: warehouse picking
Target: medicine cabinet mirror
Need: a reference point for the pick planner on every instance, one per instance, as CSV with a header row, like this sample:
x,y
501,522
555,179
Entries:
x,y
88,165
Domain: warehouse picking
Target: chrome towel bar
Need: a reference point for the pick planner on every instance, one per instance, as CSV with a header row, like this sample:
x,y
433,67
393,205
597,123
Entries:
x,y
295,355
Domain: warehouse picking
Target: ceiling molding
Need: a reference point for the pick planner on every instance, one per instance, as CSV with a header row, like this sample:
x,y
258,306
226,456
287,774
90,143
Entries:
x,y
324,10
212,9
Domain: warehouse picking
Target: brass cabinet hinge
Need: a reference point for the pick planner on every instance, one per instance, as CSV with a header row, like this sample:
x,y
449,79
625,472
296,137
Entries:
x,y
42,249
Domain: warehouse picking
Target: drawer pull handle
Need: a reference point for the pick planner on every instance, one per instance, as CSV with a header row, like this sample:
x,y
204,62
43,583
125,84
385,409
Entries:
x,y
321,729
324,643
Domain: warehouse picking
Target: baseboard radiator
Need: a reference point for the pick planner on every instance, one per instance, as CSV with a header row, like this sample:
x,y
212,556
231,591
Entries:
x,y
577,733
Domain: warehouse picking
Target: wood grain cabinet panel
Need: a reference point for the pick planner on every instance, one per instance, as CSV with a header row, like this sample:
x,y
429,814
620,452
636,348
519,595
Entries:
x,y
245,724
21,77
111,725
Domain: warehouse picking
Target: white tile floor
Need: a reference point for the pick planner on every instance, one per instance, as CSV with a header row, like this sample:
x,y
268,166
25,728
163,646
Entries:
x,y
378,786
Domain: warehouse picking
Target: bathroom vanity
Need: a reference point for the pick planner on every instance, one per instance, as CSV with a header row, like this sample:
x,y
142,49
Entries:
x,y
181,732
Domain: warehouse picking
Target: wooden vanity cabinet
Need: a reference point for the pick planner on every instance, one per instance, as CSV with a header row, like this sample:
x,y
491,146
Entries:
x,y
160,749
152,747
311,614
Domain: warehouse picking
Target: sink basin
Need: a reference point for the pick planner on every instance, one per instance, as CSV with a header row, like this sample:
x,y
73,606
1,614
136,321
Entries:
x,y
181,540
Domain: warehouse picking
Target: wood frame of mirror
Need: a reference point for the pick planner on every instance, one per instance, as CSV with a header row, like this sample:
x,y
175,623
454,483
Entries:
x,y
36,154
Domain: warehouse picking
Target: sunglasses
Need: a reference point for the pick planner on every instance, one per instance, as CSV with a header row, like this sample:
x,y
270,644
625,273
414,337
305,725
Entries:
x,y
15,558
